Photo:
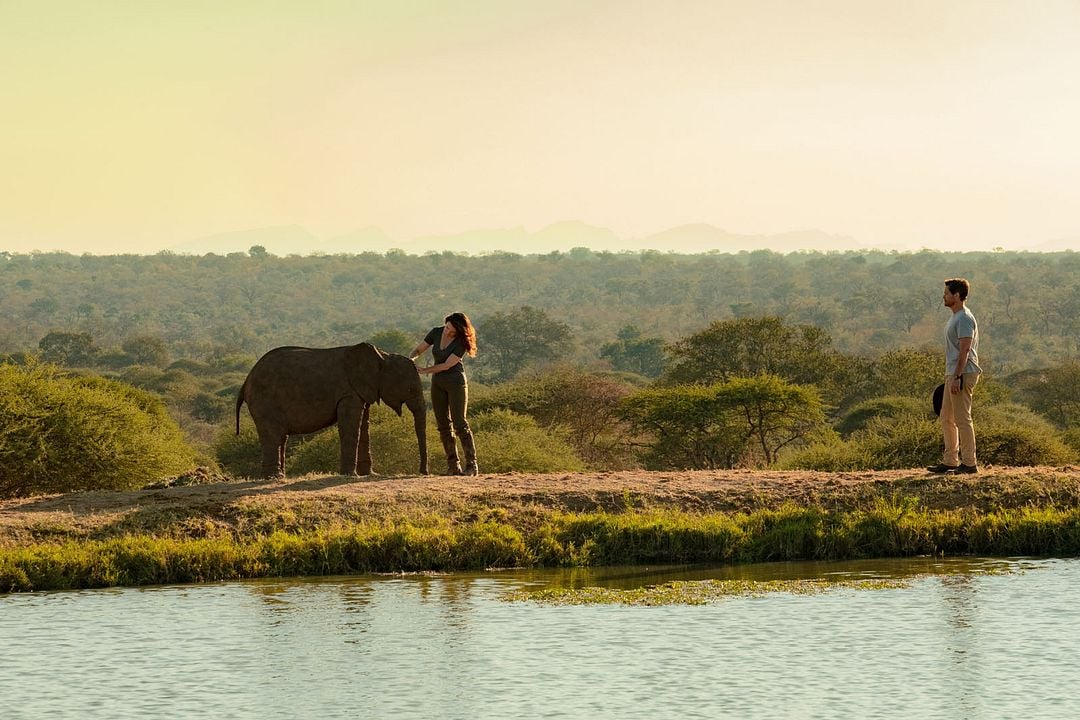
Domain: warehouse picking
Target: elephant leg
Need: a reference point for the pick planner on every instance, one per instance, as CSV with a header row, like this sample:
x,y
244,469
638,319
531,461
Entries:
x,y
363,450
350,417
273,453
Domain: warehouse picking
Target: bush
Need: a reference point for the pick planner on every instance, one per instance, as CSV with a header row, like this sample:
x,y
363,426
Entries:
x,y
141,375
60,434
829,456
902,442
580,406
1071,438
1011,434
888,407
1006,434
393,446
194,367
392,438
240,455
209,408
506,442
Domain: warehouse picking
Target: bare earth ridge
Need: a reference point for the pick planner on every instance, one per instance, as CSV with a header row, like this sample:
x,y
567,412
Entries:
x,y
99,514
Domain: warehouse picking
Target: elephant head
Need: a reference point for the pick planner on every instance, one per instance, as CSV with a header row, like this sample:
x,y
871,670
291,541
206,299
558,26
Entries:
x,y
392,379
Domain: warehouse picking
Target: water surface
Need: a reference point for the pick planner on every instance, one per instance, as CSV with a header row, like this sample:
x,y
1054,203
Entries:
x,y
951,645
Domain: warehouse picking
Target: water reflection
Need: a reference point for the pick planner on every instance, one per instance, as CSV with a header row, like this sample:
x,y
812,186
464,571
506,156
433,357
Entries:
x,y
952,645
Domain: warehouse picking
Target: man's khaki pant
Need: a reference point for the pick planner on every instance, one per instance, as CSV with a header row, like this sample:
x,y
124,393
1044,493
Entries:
x,y
956,425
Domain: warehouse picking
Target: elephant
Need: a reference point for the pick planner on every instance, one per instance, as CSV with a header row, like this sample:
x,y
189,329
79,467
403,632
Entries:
x,y
297,390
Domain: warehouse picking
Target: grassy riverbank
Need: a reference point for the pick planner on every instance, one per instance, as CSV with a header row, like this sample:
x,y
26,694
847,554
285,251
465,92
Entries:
x,y
323,526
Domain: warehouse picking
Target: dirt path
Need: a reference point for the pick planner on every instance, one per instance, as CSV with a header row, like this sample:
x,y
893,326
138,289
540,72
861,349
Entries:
x,y
83,513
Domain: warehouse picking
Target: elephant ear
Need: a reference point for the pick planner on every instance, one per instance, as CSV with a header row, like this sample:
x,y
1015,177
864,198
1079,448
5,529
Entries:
x,y
363,367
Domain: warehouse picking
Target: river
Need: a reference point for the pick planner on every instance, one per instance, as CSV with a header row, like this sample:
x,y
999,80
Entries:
x,y
952,644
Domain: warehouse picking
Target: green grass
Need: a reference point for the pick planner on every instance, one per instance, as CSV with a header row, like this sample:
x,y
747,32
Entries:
x,y
893,528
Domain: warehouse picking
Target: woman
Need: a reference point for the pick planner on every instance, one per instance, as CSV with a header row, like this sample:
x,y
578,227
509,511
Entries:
x,y
450,388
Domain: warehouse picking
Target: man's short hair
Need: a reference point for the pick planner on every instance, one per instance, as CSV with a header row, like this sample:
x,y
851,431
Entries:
x,y
958,286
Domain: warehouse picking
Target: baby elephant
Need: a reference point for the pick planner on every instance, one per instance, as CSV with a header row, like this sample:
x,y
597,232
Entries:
x,y
297,390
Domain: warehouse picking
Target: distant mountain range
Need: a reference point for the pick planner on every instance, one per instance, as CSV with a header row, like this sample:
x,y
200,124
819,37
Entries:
x,y
563,236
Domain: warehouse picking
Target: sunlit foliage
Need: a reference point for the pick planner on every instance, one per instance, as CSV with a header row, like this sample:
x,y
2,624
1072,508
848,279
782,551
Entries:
x,y
61,433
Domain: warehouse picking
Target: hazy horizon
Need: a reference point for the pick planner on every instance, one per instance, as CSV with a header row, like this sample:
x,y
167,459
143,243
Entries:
x,y
133,128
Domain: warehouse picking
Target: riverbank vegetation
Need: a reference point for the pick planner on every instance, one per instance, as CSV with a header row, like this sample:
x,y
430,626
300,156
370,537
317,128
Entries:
x,y
322,525
547,539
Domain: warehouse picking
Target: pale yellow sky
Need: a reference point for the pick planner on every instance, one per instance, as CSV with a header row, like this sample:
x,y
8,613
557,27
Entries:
x,y
135,126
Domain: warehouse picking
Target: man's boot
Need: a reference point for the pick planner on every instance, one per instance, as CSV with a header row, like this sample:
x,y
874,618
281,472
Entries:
x,y
450,446
469,446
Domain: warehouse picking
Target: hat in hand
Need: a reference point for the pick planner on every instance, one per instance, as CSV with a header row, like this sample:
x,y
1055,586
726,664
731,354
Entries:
x,y
939,395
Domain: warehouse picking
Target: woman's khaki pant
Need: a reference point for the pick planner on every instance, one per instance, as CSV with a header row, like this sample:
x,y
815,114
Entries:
x,y
450,403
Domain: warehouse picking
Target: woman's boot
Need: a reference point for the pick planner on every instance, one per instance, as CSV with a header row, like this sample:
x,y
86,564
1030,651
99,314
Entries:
x,y
453,467
469,446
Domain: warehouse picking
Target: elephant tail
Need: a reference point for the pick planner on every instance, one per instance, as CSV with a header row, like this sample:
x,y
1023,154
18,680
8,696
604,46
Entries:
x,y
239,404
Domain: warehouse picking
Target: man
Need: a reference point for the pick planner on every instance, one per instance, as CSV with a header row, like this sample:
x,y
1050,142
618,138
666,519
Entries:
x,y
962,373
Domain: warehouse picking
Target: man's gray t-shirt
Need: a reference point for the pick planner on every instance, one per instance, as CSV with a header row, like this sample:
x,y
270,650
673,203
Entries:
x,y
961,325
456,374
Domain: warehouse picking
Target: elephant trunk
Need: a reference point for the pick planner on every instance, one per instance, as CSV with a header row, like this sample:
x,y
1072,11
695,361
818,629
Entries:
x,y
419,411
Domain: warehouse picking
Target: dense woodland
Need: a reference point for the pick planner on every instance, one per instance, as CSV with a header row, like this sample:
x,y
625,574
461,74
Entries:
x,y
202,307
586,359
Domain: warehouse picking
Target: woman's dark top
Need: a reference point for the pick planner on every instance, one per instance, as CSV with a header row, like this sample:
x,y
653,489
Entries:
x,y
450,376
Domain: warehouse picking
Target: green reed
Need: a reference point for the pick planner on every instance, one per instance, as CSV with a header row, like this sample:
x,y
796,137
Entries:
x,y
887,528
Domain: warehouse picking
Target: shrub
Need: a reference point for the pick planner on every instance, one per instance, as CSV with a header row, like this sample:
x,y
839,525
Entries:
x,y
141,375
1071,438
60,433
240,455
209,408
885,443
1011,434
889,407
193,367
393,446
506,442
581,406
1005,434
829,456
909,372
901,442
234,363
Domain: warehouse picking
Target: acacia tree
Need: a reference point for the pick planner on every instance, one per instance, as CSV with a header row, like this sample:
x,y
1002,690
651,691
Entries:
x,y
511,341
147,350
68,348
744,421
749,346
680,427
633,353
908,372
775,413
393,340
582,406
1054,392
